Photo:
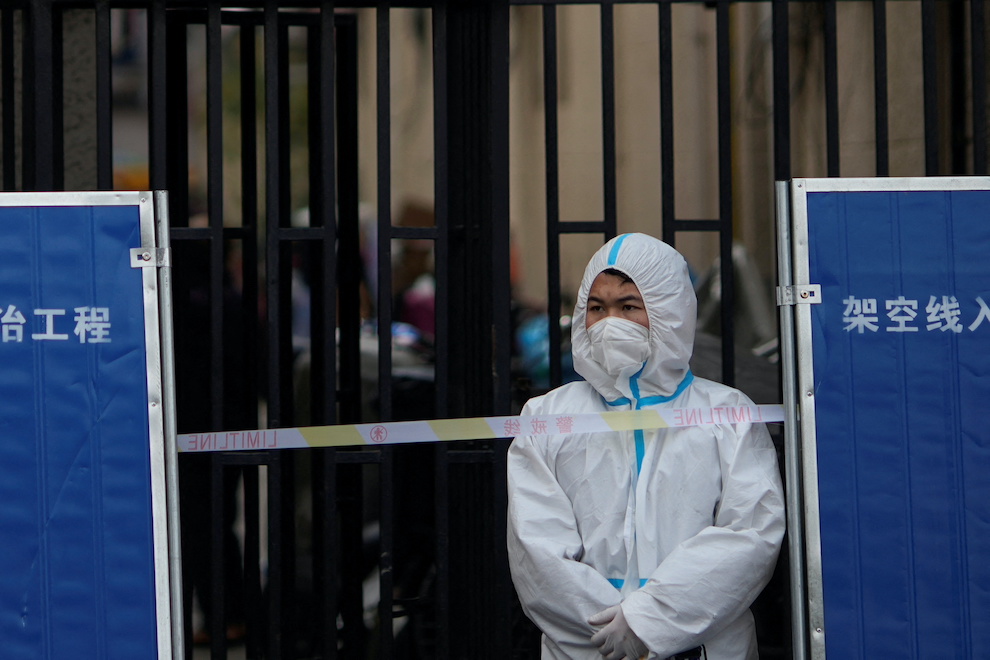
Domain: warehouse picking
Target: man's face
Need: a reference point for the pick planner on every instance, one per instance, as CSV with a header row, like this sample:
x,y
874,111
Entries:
x,y
611,295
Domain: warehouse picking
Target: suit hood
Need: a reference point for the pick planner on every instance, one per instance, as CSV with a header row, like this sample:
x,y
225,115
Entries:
x,y
661,274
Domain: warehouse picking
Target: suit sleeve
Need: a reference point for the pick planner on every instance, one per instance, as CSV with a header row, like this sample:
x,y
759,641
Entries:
x,y
557,591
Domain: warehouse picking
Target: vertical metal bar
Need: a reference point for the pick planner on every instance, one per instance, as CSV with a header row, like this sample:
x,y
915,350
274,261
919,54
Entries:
x,y
253,594
608,118
284,165
217,627
880,86
38,119
104,98
349,264
168,405
284,532
158,146
502,624
326,554
252,563
792,449
502,304
324,194
781,92
667,218
320,252
249,198
441,183
979,77
804,424
473,161
442,586
8,108
727,270
552,190
386,557
478,167
831,89
323,200
441,376
273,205
214,177
276,578
349,504
384,106
285,472
501,284
174,174
387,526
282,247
929,60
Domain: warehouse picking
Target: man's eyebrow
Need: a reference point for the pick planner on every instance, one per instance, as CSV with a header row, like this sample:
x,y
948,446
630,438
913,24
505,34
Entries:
x,y
629,296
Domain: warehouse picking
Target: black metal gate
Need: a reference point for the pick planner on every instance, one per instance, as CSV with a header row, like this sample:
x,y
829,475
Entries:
x,y
387,552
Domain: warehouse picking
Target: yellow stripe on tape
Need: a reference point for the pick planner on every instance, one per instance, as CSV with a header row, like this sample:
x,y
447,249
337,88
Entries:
x,y
633,420
474,428
331,436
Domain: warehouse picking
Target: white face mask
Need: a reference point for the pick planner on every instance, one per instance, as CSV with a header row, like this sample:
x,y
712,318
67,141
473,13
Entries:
x,y
619,346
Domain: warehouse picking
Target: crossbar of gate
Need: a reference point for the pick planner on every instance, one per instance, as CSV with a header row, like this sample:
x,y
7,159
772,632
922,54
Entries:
x,y
300,590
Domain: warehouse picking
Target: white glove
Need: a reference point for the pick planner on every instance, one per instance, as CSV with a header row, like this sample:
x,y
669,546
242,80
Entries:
x,y
616,640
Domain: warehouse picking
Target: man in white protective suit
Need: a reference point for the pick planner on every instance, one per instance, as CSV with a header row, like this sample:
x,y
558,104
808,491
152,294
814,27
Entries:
x,y
650,543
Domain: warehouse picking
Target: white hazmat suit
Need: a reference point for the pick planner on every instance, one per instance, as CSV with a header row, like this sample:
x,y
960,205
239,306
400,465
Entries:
x,y
681,526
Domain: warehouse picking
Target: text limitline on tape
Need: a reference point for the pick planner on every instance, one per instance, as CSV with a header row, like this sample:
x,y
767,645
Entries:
x,y
474,428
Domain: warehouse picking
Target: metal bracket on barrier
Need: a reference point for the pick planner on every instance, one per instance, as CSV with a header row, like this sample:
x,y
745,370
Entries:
x,y
150,258
799,294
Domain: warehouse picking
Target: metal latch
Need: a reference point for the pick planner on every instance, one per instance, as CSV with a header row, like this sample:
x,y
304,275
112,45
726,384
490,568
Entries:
x,y
150,257
798,294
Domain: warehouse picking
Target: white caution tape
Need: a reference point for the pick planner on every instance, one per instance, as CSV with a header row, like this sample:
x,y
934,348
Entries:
x,y
474,428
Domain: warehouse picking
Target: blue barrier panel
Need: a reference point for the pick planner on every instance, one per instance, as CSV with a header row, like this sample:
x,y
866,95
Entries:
x,y
901,355
77,548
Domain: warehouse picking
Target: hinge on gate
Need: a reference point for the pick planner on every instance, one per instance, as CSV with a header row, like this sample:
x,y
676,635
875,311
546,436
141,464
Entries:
x,y
150,258
799,294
